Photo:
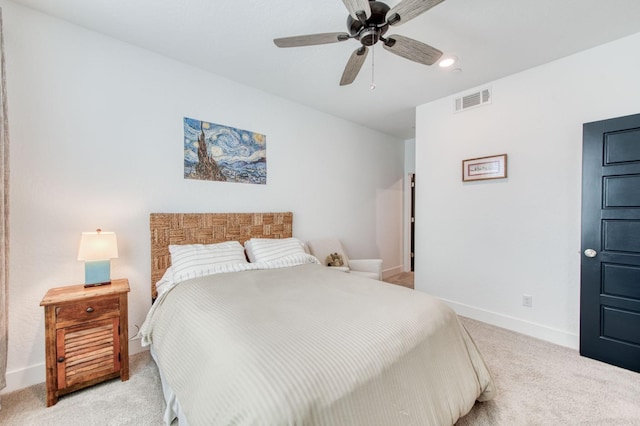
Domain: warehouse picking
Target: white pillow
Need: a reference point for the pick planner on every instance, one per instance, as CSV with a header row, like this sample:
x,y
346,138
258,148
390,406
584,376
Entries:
x,y
197,260
268,249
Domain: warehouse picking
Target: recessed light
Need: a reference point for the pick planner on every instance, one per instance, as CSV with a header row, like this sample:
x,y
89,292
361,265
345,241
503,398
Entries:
x,y
447,61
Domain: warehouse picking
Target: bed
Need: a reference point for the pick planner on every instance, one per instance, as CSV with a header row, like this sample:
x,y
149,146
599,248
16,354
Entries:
x,y
283,340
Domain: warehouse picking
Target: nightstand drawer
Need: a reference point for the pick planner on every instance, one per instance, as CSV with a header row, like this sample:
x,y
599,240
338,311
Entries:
x,y
90,309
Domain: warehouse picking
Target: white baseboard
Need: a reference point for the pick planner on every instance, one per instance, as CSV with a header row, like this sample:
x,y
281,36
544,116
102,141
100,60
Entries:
x,y
392,271
24,377
34,374
539,331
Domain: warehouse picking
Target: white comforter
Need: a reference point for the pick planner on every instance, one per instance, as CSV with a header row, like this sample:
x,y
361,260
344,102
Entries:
x,y
306,345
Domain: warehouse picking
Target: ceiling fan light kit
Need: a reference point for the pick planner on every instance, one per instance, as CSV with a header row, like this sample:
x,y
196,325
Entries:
x,y
368,21
447,61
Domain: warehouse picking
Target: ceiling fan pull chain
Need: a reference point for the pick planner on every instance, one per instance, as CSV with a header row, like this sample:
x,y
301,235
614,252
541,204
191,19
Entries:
x,y
373,63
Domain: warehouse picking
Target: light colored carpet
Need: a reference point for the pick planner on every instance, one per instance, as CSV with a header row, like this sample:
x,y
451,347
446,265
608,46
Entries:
x,y
538,383
544,384
138,401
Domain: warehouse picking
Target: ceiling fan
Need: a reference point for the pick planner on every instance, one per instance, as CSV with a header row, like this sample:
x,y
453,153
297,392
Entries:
x,y
368,22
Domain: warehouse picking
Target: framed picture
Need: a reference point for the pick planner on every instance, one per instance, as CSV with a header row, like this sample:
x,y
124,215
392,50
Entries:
x,y
222,153
493,167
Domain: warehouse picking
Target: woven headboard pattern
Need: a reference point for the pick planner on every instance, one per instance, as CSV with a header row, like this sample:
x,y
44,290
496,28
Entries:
x,y
209,228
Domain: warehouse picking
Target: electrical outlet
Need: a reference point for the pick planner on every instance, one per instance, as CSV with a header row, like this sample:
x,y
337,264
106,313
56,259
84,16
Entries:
x,y
527,300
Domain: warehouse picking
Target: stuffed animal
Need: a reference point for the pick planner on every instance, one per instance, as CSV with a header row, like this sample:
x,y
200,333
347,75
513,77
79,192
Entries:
x,y
335,259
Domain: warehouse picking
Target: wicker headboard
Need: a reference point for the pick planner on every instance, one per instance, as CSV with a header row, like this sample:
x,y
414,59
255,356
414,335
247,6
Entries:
x,y
209,228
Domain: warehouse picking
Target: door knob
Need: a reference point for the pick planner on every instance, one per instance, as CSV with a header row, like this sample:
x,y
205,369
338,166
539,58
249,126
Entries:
x,y
590,253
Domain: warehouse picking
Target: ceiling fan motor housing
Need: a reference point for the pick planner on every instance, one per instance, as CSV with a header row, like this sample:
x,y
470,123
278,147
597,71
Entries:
x,y
369,33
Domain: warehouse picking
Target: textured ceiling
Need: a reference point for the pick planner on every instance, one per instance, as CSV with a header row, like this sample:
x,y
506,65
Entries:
x,y
233,38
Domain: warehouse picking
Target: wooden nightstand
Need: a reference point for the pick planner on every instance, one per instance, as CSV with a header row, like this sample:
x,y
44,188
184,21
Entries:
x,y
86,336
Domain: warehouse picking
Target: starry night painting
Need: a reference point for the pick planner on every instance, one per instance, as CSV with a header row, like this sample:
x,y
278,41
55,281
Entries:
x,y
224,154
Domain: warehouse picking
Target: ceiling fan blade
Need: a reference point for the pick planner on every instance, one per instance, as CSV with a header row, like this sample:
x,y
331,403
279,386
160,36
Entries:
x,y
355,6
353,65
411,49
311,39
409,9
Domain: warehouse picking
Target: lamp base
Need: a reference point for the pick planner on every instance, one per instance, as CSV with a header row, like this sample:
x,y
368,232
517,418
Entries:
x,y
97,272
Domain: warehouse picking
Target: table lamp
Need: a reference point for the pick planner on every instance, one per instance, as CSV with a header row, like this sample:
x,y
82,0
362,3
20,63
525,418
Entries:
x,y
97,249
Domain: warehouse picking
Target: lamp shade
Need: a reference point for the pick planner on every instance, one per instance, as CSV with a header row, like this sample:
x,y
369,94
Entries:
x,y
98,246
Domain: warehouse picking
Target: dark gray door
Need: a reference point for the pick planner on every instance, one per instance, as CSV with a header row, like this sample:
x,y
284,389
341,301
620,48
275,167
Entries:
x,y
610,267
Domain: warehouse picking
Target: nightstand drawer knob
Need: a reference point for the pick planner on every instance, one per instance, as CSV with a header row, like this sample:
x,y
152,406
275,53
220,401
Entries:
x,y
89,309
61,359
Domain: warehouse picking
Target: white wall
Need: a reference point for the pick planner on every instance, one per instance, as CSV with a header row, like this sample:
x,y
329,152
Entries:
x,y
96,141
482,245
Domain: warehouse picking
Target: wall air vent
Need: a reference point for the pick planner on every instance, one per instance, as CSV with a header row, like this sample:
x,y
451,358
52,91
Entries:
x,y
473,100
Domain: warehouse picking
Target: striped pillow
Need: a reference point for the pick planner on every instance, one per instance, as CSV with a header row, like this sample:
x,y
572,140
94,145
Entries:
x,y
269,249
197,260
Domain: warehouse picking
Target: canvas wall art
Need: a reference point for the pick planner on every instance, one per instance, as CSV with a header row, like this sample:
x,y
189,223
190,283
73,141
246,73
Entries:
x,y
225,154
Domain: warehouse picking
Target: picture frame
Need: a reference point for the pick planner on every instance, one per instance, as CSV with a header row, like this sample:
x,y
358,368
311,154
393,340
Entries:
x,y
216,152
484,168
